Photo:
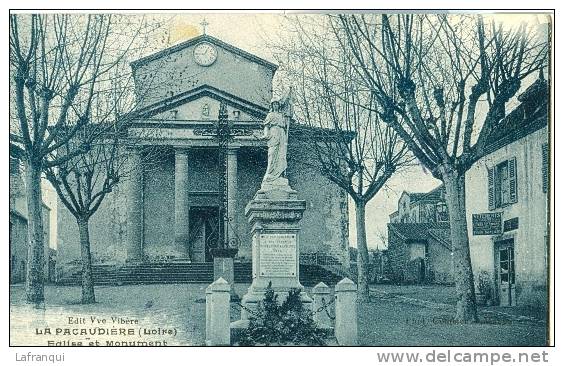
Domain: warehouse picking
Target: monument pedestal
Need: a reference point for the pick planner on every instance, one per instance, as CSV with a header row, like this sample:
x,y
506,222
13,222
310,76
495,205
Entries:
x,y
274,216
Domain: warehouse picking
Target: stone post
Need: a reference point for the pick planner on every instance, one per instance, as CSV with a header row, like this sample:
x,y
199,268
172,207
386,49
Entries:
x,y
223,267
181,205
218,332
135,206
346,313
322,297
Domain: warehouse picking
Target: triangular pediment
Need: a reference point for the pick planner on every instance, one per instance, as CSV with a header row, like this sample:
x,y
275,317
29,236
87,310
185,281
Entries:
x,y
179,71
202,38
201,103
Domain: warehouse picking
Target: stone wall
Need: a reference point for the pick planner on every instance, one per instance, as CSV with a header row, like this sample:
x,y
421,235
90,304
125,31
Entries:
x,y
18,220
18,247
398,257
402,266
251,165
440,262
325,220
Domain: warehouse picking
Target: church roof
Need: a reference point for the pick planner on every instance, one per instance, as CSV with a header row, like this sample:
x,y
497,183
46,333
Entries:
x,y
204,37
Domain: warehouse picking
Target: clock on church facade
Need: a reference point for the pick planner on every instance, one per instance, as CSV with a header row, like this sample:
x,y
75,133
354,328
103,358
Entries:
x,y
205,54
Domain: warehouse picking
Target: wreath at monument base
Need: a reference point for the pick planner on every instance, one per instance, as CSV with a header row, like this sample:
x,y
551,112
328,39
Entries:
x,y
286,323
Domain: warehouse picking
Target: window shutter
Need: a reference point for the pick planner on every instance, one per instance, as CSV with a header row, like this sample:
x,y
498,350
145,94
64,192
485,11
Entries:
x,y
545,168
512,167
491,189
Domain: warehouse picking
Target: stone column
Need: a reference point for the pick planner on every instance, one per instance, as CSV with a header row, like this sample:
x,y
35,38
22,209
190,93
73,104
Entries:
x,y
231,227
181,205
135,206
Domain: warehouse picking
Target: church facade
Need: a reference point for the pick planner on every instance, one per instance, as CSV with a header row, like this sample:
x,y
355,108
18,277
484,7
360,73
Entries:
x,y
167,207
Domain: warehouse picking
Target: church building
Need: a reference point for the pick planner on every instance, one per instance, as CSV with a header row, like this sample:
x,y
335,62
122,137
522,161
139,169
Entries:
x,y
167,208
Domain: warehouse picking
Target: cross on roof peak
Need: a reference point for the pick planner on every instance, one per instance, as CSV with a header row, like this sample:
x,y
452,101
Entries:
x,y
204,24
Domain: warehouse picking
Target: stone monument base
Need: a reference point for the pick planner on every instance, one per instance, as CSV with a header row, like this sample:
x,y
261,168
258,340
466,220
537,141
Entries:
x,y
274,215
278,189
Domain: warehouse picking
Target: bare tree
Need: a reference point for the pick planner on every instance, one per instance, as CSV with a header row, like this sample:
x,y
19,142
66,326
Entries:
x,y
83,182
52,60
351,144
442,83
382,236
57,64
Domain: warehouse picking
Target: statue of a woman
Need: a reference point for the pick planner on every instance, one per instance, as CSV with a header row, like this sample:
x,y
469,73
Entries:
x,y
276,125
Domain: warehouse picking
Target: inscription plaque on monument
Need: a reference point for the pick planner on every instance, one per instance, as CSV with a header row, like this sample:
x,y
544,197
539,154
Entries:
x,y
277,257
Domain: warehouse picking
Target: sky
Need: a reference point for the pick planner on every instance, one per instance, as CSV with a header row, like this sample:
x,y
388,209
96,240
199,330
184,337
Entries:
x,y
253,32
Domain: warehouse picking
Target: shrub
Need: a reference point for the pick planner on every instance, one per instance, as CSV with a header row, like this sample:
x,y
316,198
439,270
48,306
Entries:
x,y
287,323
484,285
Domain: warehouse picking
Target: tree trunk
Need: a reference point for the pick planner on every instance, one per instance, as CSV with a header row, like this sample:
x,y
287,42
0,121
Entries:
x,y
34,284
87,281
362,248
463,276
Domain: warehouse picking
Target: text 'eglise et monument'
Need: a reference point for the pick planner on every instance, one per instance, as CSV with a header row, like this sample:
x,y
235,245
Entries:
x,y
168,209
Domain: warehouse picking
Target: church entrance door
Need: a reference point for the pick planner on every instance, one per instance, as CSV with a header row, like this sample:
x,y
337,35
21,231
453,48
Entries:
x,y
204,230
